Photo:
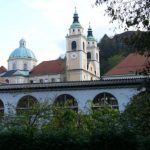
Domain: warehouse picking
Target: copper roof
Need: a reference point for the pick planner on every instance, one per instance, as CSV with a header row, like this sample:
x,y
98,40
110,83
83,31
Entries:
x,y
134,63
49,67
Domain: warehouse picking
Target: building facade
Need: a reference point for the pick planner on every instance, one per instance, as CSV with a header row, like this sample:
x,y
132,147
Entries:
x,y
81,63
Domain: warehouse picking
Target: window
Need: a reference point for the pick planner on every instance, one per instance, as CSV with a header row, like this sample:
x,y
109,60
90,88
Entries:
x,y
79,30
66,101
73,30
74,45
26,103
41,80
96,56
53,80
104,99
7,80
25,67
83,46
14,66
88,55
31,81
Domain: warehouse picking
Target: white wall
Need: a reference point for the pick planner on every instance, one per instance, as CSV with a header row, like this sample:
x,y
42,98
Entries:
x,y
123,96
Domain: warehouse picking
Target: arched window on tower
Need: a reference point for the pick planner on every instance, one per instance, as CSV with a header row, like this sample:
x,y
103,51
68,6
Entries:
x,y
97,56
74,45
83,46
25,67
88,55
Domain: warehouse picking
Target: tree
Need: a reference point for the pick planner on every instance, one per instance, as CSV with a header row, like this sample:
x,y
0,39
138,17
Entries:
x,y
137,114
131,13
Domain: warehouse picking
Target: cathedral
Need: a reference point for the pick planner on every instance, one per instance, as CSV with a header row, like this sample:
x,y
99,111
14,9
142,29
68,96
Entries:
x,y
80,64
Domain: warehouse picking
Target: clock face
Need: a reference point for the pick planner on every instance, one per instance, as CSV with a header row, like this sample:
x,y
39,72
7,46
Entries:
x,y
73,55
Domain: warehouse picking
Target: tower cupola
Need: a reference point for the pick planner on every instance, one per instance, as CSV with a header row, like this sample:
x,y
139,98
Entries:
x,y
22,43
90,34
76,23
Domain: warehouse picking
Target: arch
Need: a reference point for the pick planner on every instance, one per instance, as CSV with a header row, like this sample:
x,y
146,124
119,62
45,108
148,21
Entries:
x,y
66,100
1,108
26,103
88,55
104,99
74,45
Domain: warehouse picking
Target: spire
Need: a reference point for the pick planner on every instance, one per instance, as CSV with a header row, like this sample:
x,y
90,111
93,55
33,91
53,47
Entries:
x,y
22,43
89,32
75,17
76,23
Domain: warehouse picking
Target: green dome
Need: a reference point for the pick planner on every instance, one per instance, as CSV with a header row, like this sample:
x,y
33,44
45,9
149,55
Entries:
x,y
76,25
22,52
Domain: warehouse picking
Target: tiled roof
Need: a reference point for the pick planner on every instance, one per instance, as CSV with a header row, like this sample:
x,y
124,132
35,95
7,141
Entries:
x,y
133,64
2,69
76,85
49,67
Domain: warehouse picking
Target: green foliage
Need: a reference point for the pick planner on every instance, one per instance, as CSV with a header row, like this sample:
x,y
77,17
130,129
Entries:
x,y
113,50
52,127
131,14
137,113
128,13
114,60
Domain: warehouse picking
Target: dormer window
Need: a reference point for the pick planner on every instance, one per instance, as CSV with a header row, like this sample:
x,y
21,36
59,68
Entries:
x,y
74,45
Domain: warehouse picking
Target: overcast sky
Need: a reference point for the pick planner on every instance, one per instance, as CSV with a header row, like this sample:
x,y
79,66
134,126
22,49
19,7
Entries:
x,y
44,25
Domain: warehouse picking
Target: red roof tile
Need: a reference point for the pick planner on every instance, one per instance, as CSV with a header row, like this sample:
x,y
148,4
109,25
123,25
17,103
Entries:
x,y
132,64
2,69
49,67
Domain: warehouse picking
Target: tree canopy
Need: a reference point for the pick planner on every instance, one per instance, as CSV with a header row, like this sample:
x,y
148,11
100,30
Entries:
x,y
128,13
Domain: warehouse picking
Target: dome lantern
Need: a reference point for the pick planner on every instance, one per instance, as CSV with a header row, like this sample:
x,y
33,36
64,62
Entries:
x,y
22,43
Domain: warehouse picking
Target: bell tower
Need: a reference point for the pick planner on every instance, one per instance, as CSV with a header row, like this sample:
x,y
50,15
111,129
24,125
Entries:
x,y
93,54
76,55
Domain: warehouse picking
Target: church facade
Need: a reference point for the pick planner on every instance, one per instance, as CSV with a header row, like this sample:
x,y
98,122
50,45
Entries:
x,y
81,62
